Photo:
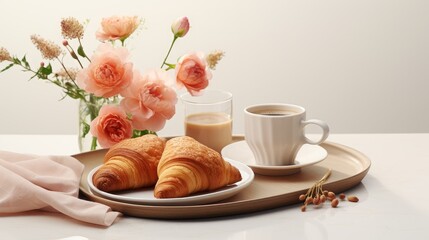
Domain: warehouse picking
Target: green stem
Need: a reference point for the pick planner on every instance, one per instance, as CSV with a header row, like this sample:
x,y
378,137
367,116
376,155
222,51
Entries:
x,y
139,133
92,107
94,143
65,69
77,58
93,112
80,44
37,72
169,50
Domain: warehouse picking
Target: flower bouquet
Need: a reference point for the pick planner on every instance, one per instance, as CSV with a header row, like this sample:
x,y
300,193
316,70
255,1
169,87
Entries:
x,y
117,101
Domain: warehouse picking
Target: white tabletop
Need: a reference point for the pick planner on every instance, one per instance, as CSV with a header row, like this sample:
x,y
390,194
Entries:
x,y
393,202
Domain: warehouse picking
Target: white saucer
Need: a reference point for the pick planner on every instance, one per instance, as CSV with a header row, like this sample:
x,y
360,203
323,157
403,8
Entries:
x,y
307,155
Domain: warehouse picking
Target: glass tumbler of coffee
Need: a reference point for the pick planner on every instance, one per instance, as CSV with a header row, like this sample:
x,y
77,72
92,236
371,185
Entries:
x,y
208,118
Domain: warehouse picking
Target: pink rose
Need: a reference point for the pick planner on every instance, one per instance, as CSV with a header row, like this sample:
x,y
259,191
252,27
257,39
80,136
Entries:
x,y
108,73
150,100
193,73
111,126
180,27
114,28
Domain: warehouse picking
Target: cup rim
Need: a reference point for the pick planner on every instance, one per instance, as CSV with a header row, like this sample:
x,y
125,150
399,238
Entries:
x,y
265,105
188,98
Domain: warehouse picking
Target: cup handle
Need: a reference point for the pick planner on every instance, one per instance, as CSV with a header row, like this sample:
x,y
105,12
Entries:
x,y
321,124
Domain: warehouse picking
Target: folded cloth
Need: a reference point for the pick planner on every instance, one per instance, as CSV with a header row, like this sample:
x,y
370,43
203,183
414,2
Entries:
x,y
49,183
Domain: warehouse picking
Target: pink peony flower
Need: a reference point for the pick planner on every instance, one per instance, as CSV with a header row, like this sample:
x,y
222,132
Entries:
x,y
180,27
193,73
108,73
150,100
111,126
117,28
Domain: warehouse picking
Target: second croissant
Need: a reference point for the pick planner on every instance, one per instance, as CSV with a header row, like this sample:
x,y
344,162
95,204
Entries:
x,y
188,167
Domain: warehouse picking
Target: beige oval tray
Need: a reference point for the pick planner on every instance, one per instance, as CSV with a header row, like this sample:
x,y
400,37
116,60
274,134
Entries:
x,y
348,166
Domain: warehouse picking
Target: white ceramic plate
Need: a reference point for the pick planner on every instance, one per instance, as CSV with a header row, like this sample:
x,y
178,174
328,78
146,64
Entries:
x,y
307,155
145,195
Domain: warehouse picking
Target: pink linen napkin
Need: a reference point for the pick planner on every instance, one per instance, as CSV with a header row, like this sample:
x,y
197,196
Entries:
x,y
49,183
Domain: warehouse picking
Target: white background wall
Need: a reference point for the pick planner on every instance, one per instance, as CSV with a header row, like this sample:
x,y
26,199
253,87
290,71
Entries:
x,y
362,66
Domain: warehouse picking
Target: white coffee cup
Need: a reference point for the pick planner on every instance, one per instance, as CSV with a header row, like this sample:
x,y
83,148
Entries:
x,y
275,132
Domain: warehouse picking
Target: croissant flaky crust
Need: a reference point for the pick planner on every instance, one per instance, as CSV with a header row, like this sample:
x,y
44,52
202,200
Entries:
x,y
187,167
129,164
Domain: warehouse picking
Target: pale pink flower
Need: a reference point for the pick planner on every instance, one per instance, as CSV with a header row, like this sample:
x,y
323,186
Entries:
x,y
193,73
111,126
117,28
180,27
108,73
150,100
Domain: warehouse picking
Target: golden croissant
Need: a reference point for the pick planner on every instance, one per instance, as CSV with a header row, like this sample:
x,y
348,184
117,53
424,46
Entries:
x,y
187,167
129,164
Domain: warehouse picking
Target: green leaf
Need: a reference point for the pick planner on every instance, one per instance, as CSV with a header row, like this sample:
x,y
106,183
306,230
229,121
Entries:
x,y
43,72
24,60
139,133
170,66
63,97
136,133
80,51
85,128
72,94
46,70
16,61
7,67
